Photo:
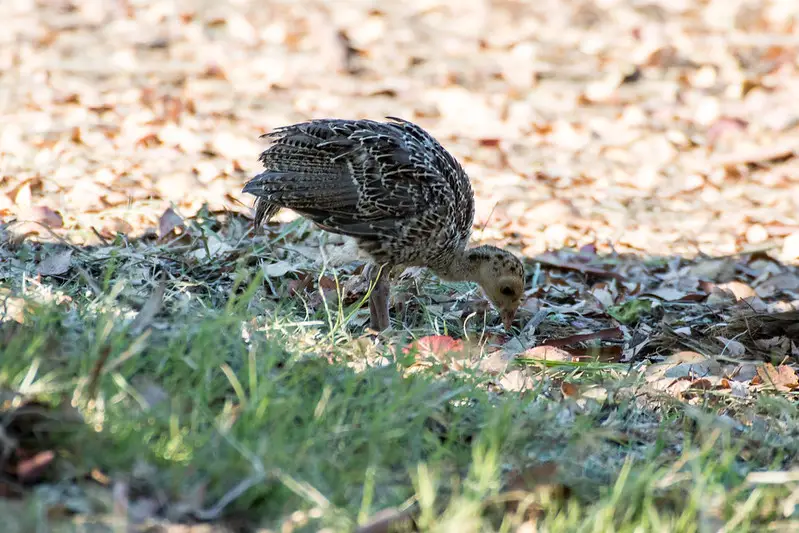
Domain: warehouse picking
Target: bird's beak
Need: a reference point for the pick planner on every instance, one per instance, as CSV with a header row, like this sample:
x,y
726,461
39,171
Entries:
x,y
507,318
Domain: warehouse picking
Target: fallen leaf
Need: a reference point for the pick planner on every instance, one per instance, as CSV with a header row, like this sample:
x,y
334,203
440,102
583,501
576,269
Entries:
x,y
777,345
168,221
278,269
11,308
737,289
569,390
745,372
786,281
214,246
57,264
44,215
551,260
497,362
516,380
683,365
732,348
603,295
783,377
546,353
668,294
434,345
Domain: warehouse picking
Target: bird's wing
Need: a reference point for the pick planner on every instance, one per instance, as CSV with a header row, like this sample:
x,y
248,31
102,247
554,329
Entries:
x,y
357,177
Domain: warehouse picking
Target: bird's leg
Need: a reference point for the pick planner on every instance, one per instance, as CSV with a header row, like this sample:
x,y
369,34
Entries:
x,y
378,300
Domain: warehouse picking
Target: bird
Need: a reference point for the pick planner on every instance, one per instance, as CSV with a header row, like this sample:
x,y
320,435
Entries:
x,y
397,191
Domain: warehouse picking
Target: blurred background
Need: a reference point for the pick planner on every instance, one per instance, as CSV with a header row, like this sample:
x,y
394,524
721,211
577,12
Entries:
x,y
649,126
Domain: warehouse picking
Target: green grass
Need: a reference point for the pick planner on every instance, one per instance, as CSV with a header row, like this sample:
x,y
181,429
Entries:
x,y
245,408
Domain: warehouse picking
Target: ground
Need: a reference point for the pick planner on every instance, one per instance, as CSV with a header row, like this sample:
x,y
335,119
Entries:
x,y
164,368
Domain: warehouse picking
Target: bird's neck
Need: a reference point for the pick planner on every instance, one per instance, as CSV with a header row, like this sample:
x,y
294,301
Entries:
x,y
464,265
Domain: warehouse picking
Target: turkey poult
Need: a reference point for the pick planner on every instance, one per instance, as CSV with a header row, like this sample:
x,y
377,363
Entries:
x,y
397,191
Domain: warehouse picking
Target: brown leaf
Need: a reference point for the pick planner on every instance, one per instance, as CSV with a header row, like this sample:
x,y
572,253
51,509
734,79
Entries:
x,y
113,226
435,345
783,377
57,264
168,221
569,390
45,215
326,283
546,353
551,260
297,286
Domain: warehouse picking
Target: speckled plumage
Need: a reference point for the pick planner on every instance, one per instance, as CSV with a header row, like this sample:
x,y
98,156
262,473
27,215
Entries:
x,y
391,186
388,184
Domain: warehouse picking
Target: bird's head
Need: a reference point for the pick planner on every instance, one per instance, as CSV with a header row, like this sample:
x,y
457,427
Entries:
x,y
501,276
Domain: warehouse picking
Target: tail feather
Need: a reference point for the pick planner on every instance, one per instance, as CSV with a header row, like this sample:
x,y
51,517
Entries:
x,y
264,211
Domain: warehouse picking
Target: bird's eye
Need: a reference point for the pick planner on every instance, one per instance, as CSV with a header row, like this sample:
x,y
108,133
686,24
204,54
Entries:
x,y
507,291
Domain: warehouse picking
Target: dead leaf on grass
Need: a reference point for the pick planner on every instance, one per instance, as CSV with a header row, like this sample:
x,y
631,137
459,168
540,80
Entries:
x,y
57,264
783,377
44,215
546,353
168,222
683,365
213,247
278,269
11,307
569,390
732,348
786,281
435,346
517,380
552,260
